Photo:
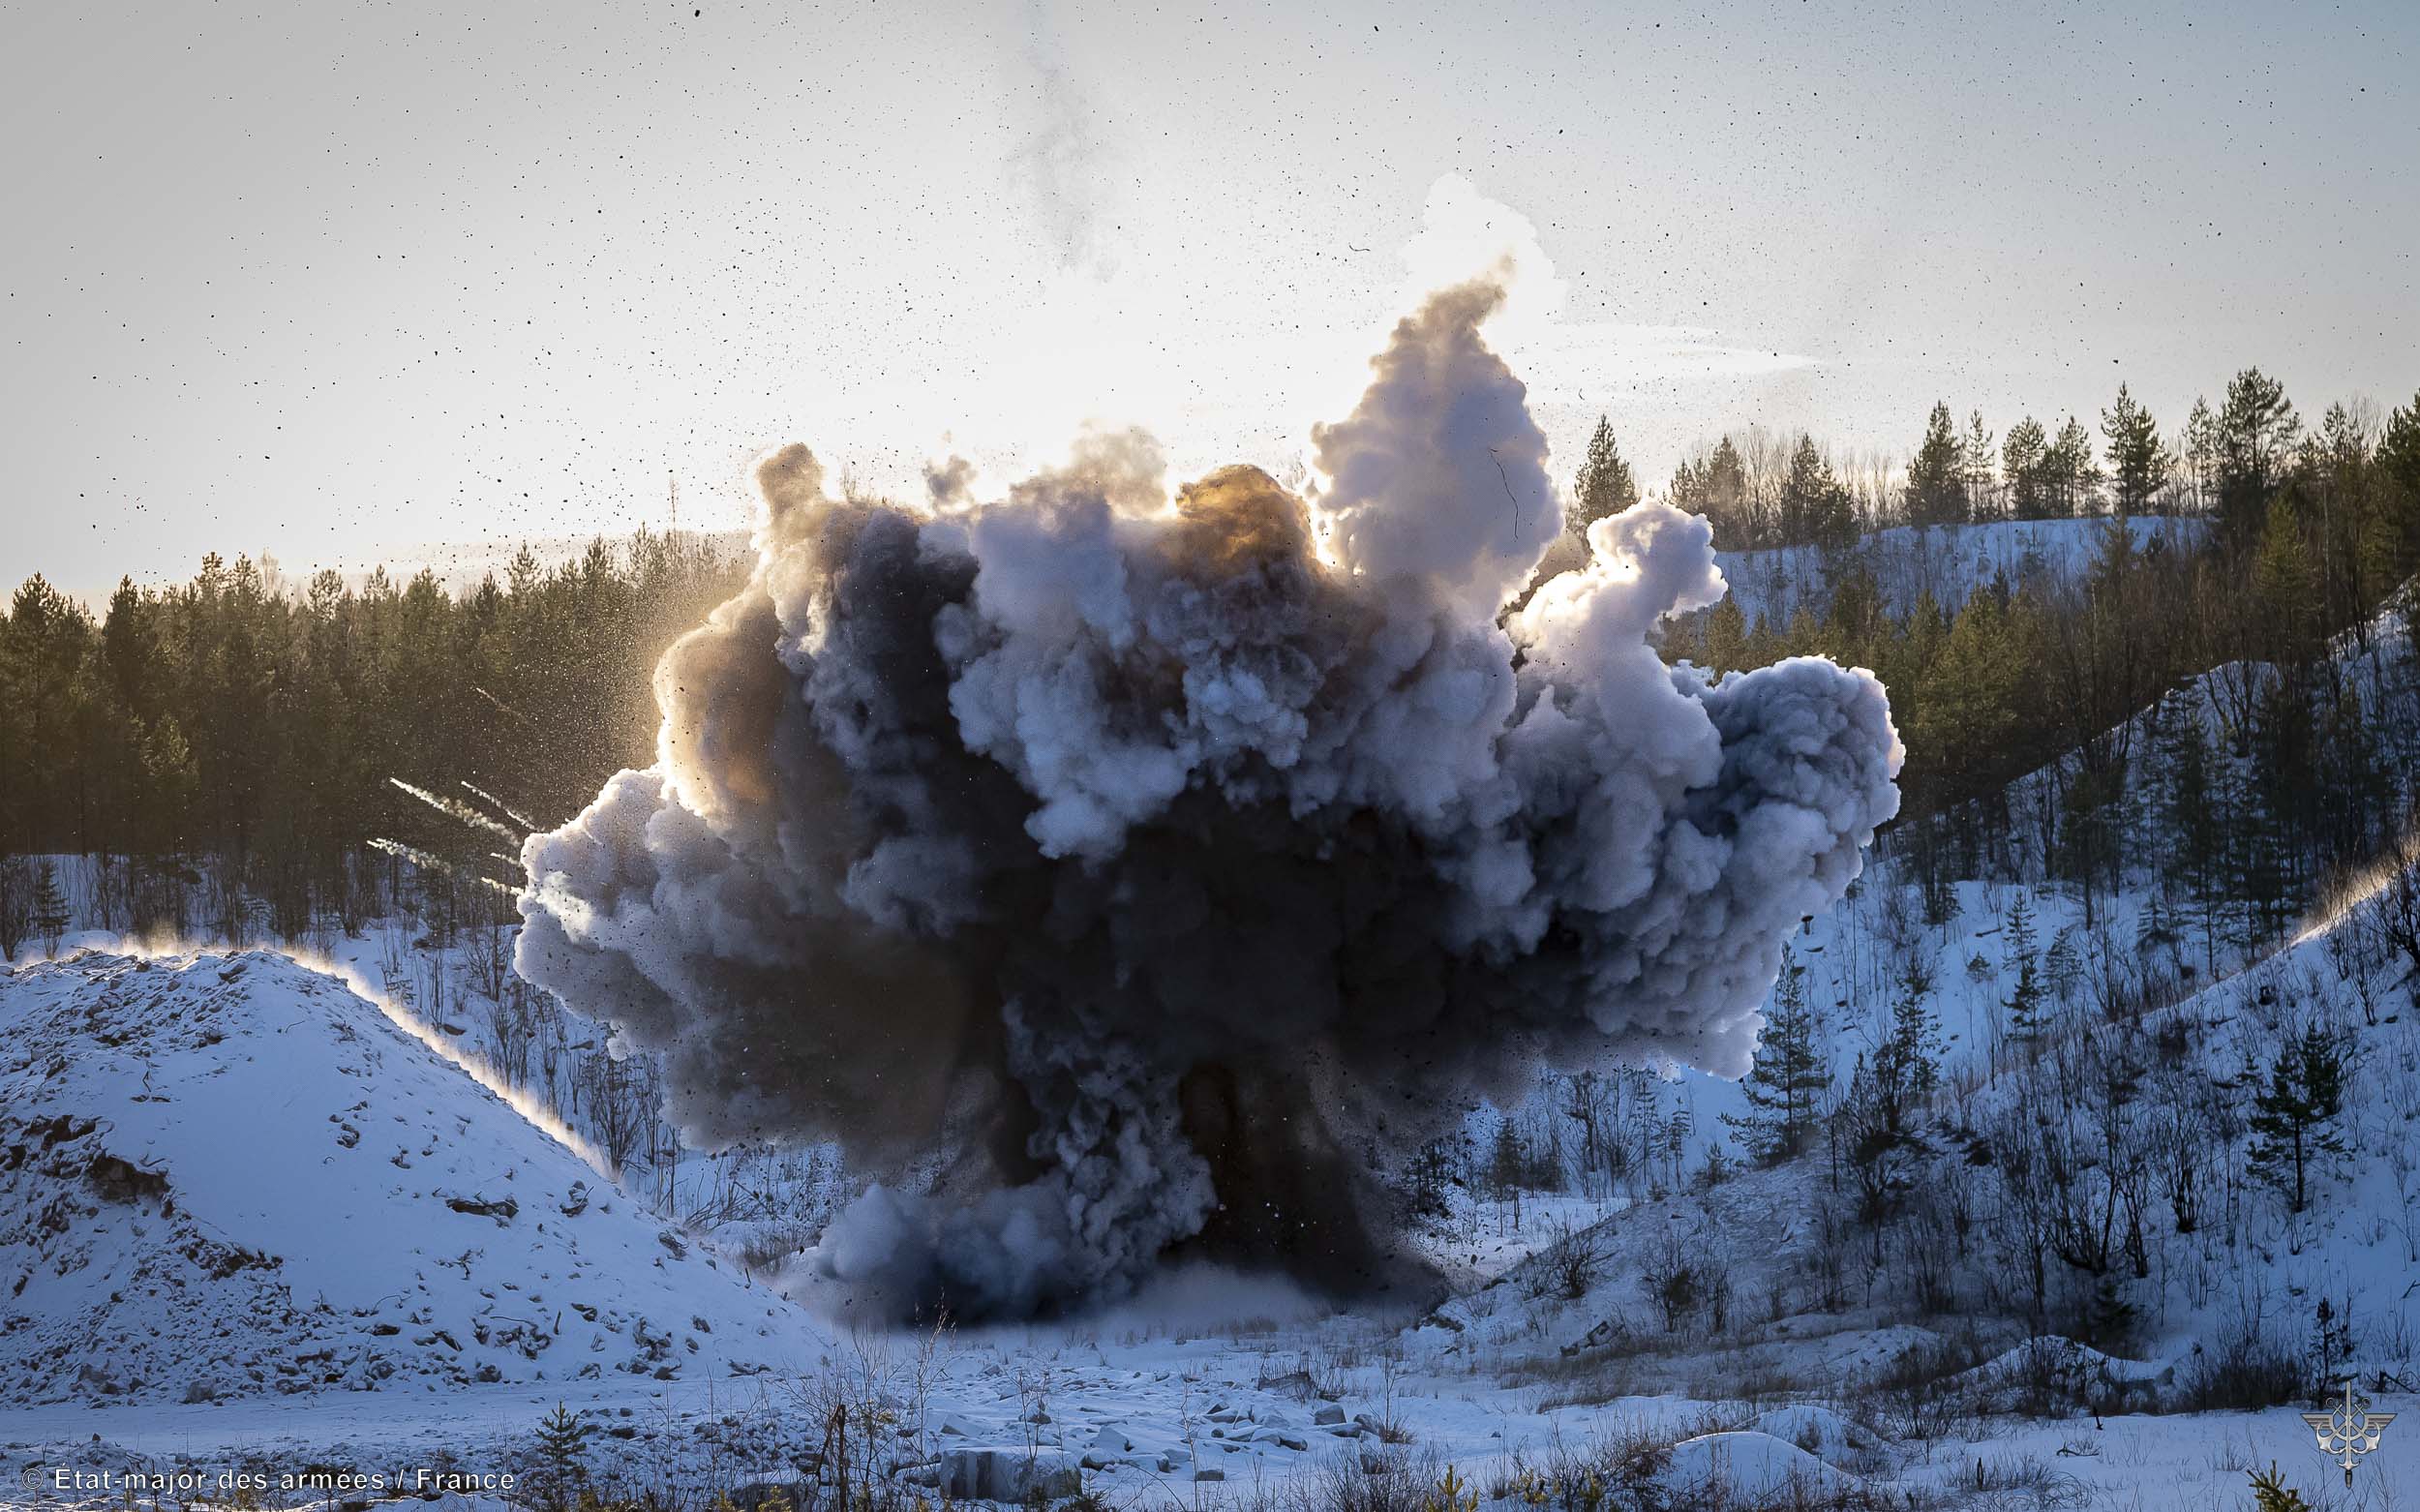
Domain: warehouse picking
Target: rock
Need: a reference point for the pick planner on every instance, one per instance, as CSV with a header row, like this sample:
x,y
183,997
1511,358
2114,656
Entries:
x,y
1209,1475
1329,1412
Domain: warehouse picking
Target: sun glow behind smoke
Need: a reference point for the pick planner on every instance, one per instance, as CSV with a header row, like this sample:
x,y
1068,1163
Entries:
x,y
1137,344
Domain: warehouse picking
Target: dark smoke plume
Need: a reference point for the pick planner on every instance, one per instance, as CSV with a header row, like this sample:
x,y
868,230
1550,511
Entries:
x,y
1151,861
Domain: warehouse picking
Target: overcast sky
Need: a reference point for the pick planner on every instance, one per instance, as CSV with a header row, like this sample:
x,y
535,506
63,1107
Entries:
x,y
321,279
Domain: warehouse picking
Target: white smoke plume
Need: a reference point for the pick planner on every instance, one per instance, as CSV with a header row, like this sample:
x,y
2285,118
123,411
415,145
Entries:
x,y
1159,856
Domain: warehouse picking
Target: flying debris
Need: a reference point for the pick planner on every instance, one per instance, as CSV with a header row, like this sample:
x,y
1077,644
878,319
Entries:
x,y
1151,856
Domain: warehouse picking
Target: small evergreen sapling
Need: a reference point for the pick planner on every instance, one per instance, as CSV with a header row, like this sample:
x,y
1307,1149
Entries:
x,y
1788,1078
2293,1117
563,1451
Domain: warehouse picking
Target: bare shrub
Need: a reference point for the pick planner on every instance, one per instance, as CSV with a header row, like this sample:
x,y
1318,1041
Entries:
x,y
2241,1373
1568,1264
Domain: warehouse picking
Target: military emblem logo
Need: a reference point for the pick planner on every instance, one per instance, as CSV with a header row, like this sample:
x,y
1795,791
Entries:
x,y
2345,1437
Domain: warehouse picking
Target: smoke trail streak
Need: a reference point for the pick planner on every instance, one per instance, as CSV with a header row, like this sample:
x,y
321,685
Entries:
x,y
499,706
455,808
527,824
1164,857
436,862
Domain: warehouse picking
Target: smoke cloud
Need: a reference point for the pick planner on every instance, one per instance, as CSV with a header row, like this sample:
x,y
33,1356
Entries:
x,y
1139,863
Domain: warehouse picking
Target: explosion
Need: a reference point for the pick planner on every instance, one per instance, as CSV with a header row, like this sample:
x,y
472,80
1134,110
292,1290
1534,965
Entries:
x,y
1145,864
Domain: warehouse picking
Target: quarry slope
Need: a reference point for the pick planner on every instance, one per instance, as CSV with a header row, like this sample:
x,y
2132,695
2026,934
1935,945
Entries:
x,y
229,1175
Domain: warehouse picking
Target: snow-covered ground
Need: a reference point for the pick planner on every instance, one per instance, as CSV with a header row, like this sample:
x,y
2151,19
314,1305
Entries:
x,y
236,1083
230,1175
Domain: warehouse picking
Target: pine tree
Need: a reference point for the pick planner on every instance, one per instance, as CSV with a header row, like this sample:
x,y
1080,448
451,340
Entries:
x,y
1604,487
1676,1130
2391,537
1788,1078
2293,1117
2023,454
1967,706
2253,438
1936,475
2155,928
1717,488
2071,476
1975,456
2156,792
1726,636
2199,449
1434,1170
2025,1000
2062,968
1508,1161
2191,818
2353,797
1908,1065
50,908
2287,586
2138,461
2335,464
17,903
2275,812
1814,507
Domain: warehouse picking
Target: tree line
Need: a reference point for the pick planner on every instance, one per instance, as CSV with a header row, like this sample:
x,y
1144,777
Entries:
x,y
268,724
1761,491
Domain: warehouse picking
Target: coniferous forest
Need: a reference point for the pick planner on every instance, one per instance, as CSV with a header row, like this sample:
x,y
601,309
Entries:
x,y
239,735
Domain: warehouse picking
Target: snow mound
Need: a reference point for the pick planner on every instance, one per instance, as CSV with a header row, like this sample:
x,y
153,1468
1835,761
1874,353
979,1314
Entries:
x,y
2058,1368
1822,1433
1750,1465
226,1176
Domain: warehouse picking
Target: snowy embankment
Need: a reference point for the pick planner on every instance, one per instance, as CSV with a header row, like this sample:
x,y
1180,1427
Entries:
x,y
1949,561
230,1175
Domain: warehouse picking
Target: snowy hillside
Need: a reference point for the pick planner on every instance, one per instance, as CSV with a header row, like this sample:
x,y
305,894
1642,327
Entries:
x,y
1949,561
228,1176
